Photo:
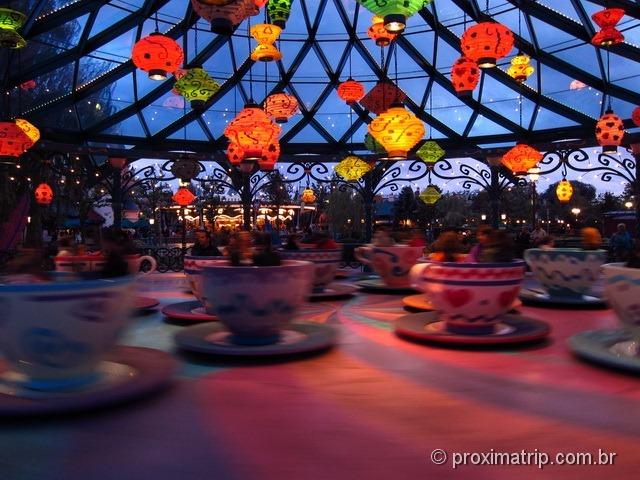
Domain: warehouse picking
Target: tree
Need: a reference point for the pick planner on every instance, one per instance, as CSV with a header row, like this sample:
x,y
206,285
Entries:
x,y
453,208
405,207
346,213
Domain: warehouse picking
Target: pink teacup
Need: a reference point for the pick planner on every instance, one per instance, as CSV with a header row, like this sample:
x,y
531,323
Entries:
x,y
391,263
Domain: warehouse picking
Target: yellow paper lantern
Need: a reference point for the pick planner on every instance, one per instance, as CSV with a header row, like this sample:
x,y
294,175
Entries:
x,y
397,130
352,168
520,68
266,35
564,191
430,195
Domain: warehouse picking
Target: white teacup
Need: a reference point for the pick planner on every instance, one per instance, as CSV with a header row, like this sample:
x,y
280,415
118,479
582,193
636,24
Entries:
x,y
325,263
622,291
391,263
193,266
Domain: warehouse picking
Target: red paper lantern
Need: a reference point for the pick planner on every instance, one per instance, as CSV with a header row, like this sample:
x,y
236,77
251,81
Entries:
x,y
609,131
158,55
350,91
486,42
260,3
379,34
28,85
252,132
224,16
635,116
607,19
43,194
465,76
183,197
16,137
270,156
521,158
281,107
381,97
117,162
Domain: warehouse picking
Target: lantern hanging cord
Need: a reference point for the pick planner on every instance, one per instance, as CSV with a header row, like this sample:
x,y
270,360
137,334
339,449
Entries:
x,y
156,21
430,110
608,79
395,61
251,66
265,81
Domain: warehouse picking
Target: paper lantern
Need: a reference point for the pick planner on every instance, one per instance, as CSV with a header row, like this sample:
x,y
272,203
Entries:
x,y
395,12
609,131
281,107
564,191
186,169
635,116
465,76
117,162
183,197
279,11
607,20
252,132
43,194
397,130
373,145
350,91
308,195
224,17
576,85
260,3
28,85
352,168
430,195
521,158
197,86
486,42
10,22
266,35
158,55
520,68
270,156
16,137
379,34
381,97
430,152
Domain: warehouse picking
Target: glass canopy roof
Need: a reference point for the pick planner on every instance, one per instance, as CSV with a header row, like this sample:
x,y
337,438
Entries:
x,y
76,82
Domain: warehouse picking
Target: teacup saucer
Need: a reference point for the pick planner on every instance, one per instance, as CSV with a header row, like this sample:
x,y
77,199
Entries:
x,y
377,285
126,373
540,298
427,327
419,302
191,311
615,348
334,291
142,304
215,339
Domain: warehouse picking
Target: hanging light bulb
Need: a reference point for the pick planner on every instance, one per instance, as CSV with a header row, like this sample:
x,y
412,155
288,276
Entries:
x,y
43,194
158,55
430,152
487,42
10,22
380,98
521,158
197,86
352,168
394,12
223,17
564,191
350,91
397,130
379,34
281,107
279,11
520,68
266,35
16,137
607,20
609,131
465,76
430,195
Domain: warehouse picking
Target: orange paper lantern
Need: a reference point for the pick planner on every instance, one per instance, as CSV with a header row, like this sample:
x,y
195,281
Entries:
x,y
397,130
281,107
308,195
379,34
486,42
183,197
635,116
465,76
252,132
609,131
16,137
350,91
607,20
266,35
158,55
521,158
224,16
43,194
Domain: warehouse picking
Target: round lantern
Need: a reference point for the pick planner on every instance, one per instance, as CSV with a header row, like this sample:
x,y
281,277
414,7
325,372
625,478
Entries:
x,y
186,169
266,53
521,158
183,197
395,12
117,162
281,107
266,35
564,191
430,195
252,132
430,152
279,11
350,91
609,131
158,55
260,3
16,137
380,98
520,68
465,76
379,34
486,42
43,194
270,156
223,17
607,19
635,116
10,22
352,168
308,195
197,86
397,130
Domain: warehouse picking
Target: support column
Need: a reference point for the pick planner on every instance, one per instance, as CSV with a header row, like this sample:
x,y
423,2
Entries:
x,y
368,197
494,197
116,198
246,201
635,148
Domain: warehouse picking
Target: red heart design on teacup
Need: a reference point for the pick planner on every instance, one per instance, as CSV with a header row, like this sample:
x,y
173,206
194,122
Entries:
x,y
457,298
506,298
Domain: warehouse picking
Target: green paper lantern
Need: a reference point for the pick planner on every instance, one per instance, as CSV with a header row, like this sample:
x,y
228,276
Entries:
x,y
430,195
394,12
430,152
10,22
279,11
352,168
197,86
373,145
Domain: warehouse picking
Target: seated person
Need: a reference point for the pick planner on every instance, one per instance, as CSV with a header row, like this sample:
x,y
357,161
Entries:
x,y
203,246
26,267
65,247
325,242
498,248
240,251
292,242
447,248
382,238
265,256
634,257
591,238
547,243
417,239
115,245
482,236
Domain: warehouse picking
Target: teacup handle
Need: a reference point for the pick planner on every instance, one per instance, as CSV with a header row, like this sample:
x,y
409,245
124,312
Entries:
x,y
416,272
361,256
151,260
